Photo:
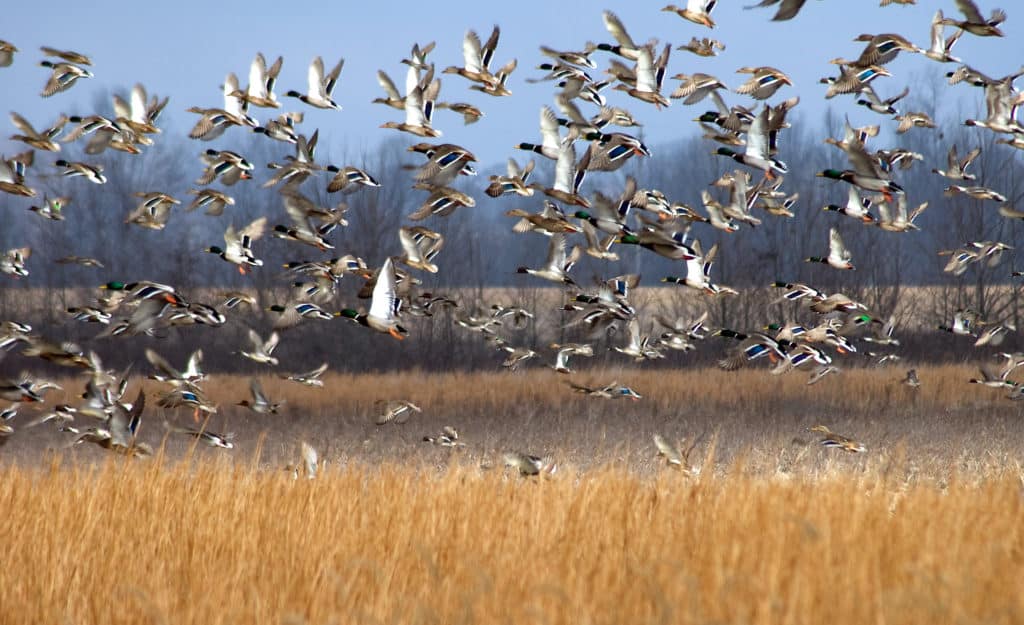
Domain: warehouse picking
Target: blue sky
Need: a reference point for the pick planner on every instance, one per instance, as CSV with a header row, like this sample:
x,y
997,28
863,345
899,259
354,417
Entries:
x,y
185,49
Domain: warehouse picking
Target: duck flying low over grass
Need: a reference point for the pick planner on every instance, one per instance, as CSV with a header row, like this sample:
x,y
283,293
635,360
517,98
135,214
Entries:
x,y
995,334
397,411
261,351
191,374
803,355
259,403
838,441
608,391
312,378
206,437
964,322
564,351
883,333
516,356
752,346
638,346
529,465
448,437
291,315
994,378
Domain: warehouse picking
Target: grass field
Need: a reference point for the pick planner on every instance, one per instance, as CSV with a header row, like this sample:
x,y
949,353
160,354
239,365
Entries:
x,y
926,526
219,543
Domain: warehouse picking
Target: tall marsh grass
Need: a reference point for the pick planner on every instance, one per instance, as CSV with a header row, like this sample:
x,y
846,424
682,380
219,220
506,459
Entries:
x,y
208,541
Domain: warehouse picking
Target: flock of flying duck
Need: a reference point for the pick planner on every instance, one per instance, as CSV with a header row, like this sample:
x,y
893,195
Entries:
x,y
574,221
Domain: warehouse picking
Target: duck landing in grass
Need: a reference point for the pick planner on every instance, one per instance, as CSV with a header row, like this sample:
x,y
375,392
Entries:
x,y
831,439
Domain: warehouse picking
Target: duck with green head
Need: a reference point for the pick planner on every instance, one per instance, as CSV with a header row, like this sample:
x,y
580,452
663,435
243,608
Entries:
x,y
145,289
383,314
887,188
757,153
238,245
867,172
838,256
855,207
672,246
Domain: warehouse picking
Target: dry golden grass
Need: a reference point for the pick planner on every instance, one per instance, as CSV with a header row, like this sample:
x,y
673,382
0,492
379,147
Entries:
x,y
926,527
212,542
